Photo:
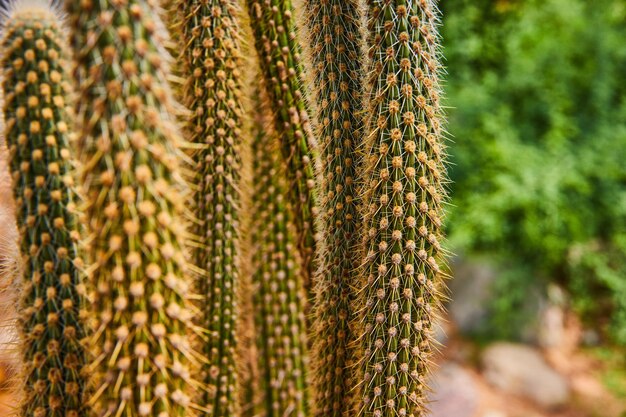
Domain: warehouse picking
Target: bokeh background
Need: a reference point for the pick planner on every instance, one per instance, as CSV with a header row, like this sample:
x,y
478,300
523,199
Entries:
x,y
536,91
536,96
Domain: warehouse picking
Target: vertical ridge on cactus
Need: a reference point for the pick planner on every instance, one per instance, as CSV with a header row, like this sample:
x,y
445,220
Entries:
x,y
334,28
136,195
37,133
403,207
273,26
212,60
278,291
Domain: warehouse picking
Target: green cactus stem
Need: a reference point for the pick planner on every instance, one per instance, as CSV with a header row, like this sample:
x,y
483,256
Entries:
x,y
212,62
278,290
403,204
37,130
334,28
136,197
273,25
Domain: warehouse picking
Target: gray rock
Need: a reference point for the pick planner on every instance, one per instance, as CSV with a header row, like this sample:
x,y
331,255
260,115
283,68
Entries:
x,y
552,327
521,370
470,292
454,392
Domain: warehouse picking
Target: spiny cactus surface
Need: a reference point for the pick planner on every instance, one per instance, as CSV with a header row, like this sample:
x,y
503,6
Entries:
x,y
37,129
136,197
334,30
212,62
404,207
278,291
273,25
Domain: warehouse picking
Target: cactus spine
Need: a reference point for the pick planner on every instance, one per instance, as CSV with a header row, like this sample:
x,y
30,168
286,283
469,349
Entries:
x,y
404,207
37,129
334,29
279,56
212,59
278,293
136,198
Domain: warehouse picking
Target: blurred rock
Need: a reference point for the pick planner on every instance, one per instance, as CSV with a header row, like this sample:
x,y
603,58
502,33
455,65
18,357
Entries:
x,y
441,330
521,370
491,413
454,392
552,327
470,292
590,337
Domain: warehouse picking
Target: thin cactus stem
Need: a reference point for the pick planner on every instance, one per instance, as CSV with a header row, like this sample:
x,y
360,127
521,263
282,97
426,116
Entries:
x,y
403,208
212,62
136,196
37,132
334,29
273,26
278,290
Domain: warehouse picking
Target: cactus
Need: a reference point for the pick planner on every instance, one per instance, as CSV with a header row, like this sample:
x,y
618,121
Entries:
x,y
334,29
37,132
403,203
211,57
280,60
278,293
136,195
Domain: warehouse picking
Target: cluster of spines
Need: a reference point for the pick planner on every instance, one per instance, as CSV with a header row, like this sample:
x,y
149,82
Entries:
x,y
212,62
37,132
277,286
334,29
403,207
136,196
273,25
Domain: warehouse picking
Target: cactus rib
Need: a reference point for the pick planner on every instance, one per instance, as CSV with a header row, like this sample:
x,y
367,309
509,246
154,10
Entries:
x,y
212,61
403,203
37,131
273,27
136,194
334,29
278,290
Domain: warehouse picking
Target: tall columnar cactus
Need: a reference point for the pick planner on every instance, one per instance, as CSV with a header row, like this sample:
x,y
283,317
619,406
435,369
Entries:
x,y
334,29
136,198
278,293
403,203
211,57
37,129
273,24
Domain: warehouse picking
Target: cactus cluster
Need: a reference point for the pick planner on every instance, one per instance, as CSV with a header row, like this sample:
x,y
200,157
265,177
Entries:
x,y
136,197
334,29
37,133
403,205
280,59
278,290
207,229
212,60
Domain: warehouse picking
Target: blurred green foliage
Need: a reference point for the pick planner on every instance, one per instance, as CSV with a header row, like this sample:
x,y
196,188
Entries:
x,y
537,97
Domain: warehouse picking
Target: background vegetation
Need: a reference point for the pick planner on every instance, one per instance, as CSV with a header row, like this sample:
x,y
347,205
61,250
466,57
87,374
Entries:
x,y
538,118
